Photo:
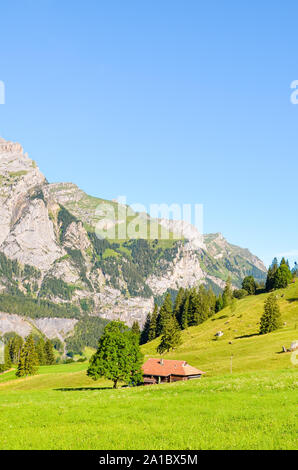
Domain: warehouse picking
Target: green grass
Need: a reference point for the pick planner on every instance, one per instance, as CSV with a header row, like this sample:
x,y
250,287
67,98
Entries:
x,y
253,408
245,411
251,351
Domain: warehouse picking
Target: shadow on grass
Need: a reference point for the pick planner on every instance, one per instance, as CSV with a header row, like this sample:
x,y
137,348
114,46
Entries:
x,y
293,299
82,389
86,389
247,336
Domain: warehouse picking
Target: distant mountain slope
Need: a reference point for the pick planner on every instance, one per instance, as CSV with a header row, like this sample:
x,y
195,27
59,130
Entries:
x,y
50,252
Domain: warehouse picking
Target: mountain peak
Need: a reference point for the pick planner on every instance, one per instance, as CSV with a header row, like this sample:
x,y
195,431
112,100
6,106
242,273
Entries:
x,y
10,147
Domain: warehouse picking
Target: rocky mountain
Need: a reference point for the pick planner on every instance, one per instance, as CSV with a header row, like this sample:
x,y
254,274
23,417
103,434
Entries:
x,y
54,265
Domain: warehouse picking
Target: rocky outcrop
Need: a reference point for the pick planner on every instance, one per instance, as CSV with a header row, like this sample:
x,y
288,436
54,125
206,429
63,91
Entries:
x,y
32,238
111,280
50,327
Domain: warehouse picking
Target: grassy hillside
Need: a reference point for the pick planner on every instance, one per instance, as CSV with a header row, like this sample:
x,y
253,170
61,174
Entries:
x,y
253,408
250,350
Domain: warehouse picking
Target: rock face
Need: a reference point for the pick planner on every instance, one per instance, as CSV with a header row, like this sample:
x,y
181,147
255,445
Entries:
x,y
48,232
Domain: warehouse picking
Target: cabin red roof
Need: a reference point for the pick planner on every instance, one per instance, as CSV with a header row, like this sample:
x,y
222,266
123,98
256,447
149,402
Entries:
x,y
166,367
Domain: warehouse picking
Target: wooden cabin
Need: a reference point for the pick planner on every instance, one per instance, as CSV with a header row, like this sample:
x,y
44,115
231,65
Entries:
x,y
156,371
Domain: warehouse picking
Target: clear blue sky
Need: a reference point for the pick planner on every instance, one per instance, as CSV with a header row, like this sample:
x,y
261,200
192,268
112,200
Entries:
x,y
162,101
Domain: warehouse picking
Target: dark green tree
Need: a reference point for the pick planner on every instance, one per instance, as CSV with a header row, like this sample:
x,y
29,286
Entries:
x,y
15,345
185,312
136,329
49,353
271,318
249,284
166,311
171,336
219,304
227,293
295,270
40,349
283,276
178,304
28,362
153,324
271,275
240,293
118,357
145,331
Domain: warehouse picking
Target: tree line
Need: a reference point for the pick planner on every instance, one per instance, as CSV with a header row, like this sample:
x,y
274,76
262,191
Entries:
x,y
192,307
27,354
195,305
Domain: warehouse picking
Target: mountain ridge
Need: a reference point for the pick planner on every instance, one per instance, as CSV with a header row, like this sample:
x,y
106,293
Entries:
x,y
48,233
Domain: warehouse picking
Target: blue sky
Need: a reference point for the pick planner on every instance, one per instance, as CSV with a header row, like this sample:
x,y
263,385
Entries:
x,y
162,101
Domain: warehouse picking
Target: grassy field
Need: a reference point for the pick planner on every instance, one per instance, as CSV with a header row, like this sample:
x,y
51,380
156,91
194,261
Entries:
x,y
65,411
253,408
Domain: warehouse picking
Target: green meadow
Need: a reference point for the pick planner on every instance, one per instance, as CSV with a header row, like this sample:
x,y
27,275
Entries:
x,y
251,406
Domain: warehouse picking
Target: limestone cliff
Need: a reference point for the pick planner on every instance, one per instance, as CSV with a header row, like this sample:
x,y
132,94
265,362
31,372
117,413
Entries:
x,y
50,254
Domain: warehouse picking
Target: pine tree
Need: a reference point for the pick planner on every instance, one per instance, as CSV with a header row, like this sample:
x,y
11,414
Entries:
x,y
249,284
271,275
194,308
227,293
145,332
295,270
136,329
271,318
165,312
204,309
40,349
171,337
28,362
49,352
185,312
15,345
178,304
283,276
219,304
152,334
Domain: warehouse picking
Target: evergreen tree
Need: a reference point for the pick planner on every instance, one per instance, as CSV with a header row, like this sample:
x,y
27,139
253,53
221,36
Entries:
x,y
185,312
136,329
178,304
15,345
295,270
166,311
193,307
249,284
49,353
152,334
28,362
171,337
219,305
283,276
271,318
227,293
40,349
145,332
118,357
271,275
